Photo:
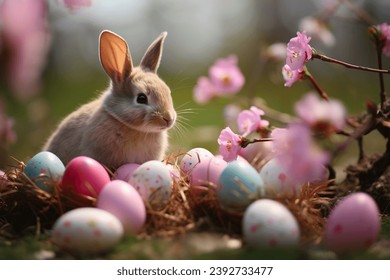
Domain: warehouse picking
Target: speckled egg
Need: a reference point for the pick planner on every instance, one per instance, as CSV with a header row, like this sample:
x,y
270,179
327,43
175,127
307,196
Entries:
x,y
193,157
206,174
268,223
125,171
275,179
353,224
153,181
87,230
85,176
124,202
240,184
44,163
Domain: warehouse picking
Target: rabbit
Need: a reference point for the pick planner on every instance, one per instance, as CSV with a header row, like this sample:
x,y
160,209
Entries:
x,y
127,123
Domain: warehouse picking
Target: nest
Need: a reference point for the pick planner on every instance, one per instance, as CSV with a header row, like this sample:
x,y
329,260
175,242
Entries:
x,y
359,179
24,206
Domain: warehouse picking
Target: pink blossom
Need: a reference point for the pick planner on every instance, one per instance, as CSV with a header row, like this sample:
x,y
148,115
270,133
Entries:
x,y
229,144
298,52
291,76
26,38
226,76
301,158
204,90
317,29
384,28
250,120
75,4
7,133
328,116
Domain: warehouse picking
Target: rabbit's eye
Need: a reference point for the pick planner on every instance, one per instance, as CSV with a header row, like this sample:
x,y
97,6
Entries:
x,y
142,98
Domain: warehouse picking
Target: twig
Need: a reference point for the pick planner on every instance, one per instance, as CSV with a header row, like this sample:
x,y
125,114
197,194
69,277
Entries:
x,y
348,65
368,125
245,141
382,92
273,114
322,93
360,13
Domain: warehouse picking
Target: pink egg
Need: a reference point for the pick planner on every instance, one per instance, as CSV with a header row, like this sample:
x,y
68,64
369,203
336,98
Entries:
x,y
125,171
85,176
124,202
353,224
256,151
193,157
206,173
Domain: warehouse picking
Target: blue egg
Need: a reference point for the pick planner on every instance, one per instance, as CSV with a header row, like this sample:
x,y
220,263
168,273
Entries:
x,y
240,184
45,163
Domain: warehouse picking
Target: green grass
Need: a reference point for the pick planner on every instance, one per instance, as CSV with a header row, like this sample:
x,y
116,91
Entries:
x,y
185,247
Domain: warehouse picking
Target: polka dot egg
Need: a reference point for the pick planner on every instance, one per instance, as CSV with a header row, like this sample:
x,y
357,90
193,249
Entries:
x,y
44,163
192,158
275,179
154,183
353,225
87,230
268,223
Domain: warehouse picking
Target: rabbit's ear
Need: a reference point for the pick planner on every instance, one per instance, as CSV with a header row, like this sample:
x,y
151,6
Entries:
x,y
115,56
152,57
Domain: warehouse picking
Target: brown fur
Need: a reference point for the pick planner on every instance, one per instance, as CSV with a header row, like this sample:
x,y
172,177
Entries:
x,y
114,129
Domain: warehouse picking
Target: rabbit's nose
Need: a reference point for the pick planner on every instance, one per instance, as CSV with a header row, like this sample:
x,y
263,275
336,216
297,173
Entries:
x,y
169,119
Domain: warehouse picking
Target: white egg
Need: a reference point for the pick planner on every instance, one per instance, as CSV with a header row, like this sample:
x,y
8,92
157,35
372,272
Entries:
x,y
87,230
154,183
192,158
276,180
268,223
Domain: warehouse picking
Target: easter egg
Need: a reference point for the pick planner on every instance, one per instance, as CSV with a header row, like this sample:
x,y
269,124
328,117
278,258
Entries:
x,y
269,224
240,184
276,180
206,173
256,152
87,230
353,224
124,202
3,179
153,181
44,163
85,176
192,158
239,158
125,171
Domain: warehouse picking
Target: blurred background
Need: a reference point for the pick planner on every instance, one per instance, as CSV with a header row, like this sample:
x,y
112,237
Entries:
x,y
49,58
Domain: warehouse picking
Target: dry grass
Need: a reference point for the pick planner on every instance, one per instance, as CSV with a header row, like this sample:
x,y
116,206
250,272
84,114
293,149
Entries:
x,y
24,205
